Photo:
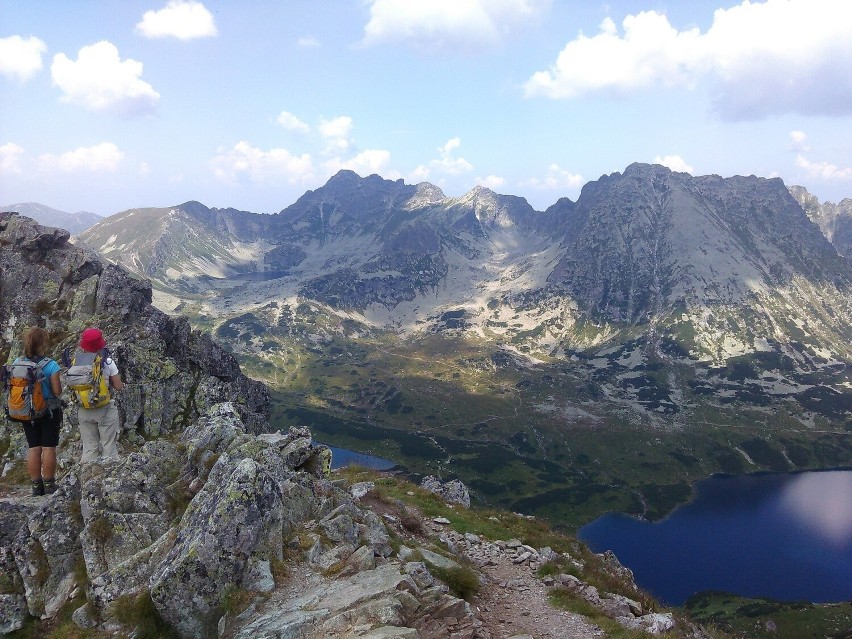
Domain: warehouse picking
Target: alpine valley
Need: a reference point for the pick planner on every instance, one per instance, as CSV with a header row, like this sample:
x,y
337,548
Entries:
x,y
600,355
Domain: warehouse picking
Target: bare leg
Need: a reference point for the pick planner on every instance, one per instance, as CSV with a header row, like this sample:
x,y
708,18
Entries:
x,y
34,462
48,462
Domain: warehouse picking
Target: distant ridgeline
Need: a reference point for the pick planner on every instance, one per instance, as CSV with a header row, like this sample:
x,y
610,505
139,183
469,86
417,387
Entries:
x,y
599,355
71,222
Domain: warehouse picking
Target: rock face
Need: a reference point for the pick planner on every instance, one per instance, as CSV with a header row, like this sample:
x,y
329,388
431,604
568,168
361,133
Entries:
x,y
172,372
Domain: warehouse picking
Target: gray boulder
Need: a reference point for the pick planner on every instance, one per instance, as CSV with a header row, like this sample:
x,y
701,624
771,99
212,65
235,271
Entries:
x,y
453,492
47,550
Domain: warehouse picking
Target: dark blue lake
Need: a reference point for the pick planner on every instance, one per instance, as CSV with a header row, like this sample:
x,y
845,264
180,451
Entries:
x,y
341,457
786,537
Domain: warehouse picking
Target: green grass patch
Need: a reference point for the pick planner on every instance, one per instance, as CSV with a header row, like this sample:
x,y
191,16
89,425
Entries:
x,y
462,581
139,612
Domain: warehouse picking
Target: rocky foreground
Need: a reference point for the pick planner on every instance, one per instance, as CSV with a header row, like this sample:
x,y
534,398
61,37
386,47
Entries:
x,y
225,533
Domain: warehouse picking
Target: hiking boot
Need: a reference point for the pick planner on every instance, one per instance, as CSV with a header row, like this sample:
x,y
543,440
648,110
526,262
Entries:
x,y
49,486
38,488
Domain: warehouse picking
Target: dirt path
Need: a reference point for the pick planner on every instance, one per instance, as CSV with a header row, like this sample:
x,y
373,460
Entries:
x,y
513,602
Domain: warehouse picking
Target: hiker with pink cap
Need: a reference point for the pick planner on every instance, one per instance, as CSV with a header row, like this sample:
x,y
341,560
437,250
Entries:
x,y
94,378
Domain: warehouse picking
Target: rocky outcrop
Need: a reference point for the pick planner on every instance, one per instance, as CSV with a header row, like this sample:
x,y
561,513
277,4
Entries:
x,y
182,523
453,491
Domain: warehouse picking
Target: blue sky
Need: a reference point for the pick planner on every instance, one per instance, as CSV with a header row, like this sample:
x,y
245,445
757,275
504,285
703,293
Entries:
x,y
106,106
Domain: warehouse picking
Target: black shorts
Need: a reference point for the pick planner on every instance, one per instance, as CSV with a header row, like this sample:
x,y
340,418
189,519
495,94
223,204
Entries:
x,y
45,430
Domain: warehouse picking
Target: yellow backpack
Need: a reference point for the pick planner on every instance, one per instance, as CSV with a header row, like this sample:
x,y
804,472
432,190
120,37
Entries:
x,y
87,378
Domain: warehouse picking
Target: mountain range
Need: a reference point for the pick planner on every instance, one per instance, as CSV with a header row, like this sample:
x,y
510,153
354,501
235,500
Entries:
x,y
716,310
71,222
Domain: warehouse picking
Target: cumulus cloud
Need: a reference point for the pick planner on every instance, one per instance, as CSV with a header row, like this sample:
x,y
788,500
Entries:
x,y
675,163
447,24
261,167
19,58
819,170
10,158
101,157
824,170
337,133
556,178
367,162
101,81
492,182
292,123
779,56
182,19
448,164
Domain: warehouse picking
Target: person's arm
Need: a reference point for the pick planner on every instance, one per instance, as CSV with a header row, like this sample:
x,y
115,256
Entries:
x,y
115,382
55,384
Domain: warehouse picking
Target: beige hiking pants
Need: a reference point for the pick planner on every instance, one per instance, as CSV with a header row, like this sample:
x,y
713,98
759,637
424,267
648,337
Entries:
x,y
99,429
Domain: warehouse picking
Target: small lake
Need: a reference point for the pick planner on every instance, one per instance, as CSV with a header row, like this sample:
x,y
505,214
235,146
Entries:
x,y
341,457
785,537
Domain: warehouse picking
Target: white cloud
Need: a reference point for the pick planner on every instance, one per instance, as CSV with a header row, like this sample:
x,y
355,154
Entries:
x,y
365,163
337,132
182,19
19,58
261,167
446,164
798,141
824,170
556,178
101,157
10,158
292,123
420,174
308,42
101,81
675,163
779,56
492,182
447,24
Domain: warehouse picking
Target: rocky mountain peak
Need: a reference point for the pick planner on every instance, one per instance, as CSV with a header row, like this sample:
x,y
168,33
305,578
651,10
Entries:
x,y
425,194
